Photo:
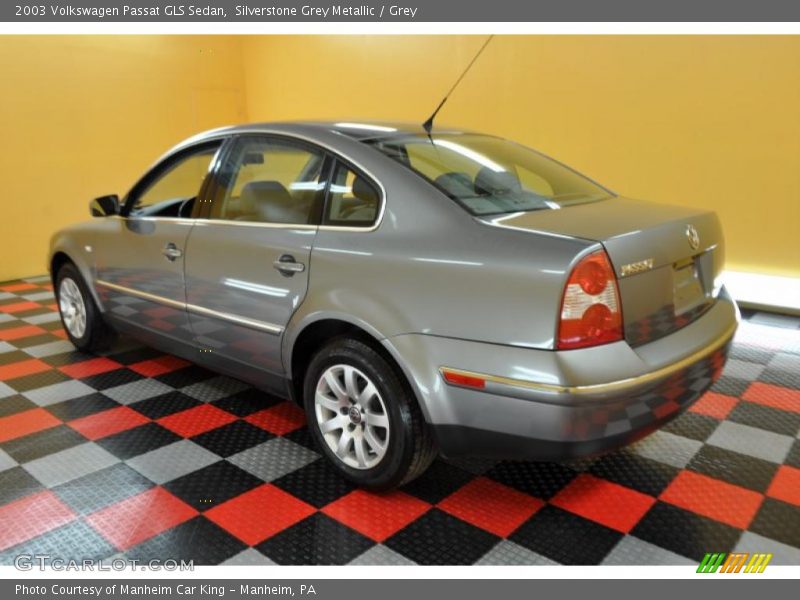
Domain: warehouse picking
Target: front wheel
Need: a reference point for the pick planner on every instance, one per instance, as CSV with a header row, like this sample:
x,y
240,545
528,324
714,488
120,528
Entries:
x,y
364,418
79,314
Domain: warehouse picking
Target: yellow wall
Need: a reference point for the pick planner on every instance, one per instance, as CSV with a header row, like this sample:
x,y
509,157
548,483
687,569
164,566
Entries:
x,y
705,121
83,116
710,121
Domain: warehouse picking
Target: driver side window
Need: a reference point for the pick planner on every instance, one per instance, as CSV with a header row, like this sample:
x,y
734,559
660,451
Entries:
x,y
174,189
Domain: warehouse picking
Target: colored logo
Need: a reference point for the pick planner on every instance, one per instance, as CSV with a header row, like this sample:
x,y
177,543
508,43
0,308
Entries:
x,y
735,562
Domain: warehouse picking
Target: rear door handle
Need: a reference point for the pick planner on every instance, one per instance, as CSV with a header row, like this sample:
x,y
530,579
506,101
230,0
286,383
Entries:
x,y
171,252
288,266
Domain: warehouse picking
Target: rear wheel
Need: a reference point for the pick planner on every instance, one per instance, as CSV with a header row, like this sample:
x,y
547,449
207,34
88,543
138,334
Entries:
x,y
79,314
363,416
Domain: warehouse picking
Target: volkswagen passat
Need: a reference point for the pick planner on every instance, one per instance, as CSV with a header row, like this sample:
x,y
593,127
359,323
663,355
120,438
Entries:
x,y
417,293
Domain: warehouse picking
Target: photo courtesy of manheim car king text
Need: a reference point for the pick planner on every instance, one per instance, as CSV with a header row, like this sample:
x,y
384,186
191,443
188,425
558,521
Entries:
x,y
311,299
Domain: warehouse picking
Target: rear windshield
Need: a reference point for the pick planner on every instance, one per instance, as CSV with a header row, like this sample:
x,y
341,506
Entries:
x,y
489,175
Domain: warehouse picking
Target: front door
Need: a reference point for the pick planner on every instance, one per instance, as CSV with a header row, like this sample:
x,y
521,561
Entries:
x,y
247,265
140,257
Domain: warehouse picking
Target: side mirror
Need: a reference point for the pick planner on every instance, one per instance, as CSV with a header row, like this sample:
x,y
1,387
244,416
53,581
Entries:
x,y
104,206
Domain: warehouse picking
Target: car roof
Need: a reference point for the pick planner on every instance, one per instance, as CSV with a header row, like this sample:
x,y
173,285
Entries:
x,y
357,129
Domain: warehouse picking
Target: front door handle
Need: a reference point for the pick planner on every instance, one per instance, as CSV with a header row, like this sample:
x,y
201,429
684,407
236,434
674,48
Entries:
x,y
171,252
288,266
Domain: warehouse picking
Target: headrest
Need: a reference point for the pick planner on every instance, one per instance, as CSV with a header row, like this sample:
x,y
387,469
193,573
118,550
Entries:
x,y
272,202
489,181
455,183
364,191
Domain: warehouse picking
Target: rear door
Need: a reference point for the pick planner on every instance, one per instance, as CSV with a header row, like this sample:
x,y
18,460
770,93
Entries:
x,y
247,265
140,261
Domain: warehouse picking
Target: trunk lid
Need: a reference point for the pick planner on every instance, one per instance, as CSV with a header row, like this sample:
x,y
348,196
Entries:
x,y
666,257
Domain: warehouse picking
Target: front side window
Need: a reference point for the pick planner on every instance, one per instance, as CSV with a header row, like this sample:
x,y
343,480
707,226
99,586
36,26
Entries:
x,y
353,200
489,175
270,180
175,188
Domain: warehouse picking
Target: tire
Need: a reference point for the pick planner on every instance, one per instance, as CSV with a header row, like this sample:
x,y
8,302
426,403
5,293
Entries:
x,y
88,333
391,456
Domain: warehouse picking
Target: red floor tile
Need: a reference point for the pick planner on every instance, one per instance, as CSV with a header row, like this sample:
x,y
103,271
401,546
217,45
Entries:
x,y
718,500
60,333
196,420
31,516
259,514
604,502
16,333
377,516
87,368
18,287
25,423
280,419
491,506
774,396
23,368
715,405
108,422
141,517
18,307
786,485
159,366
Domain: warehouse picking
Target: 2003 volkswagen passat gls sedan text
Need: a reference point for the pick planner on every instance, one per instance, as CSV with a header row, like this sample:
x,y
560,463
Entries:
x,y
452,292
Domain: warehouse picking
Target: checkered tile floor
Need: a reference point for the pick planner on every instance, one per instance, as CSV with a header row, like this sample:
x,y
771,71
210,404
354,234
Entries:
x,y
140,455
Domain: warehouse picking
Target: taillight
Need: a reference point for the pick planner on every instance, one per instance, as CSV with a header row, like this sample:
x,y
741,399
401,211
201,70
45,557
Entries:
x,y
591,313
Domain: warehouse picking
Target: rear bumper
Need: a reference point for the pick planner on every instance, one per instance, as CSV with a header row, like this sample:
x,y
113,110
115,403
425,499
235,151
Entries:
x,y
554,405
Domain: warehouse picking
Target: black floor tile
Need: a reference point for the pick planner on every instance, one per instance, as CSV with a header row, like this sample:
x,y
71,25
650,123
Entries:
x,y
779,521
565,537
197,540
733,467
185,376
692,425
437,538
316,540
793,459
136,441
438,482
110,379
16,483
134,355
81,407
685,533
212,485
633,471
540,479
316,483
730,386
766,417
232,438
787,379
15,404
42,443
103,488
164,405
246,402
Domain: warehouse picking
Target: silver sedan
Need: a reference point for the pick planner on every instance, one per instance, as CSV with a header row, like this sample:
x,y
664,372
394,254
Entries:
x,y
418,293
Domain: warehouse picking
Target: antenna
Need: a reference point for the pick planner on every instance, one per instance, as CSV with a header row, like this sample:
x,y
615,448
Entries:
x,y
428,125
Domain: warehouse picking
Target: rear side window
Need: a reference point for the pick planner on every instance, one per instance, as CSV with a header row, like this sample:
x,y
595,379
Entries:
x,y
270,180
488,175
353,199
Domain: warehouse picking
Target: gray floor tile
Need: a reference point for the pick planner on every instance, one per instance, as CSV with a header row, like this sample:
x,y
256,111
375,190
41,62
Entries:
x,y
742,369
273,459
246,558
6,391
667,448
137,390
214,389
633,551
751,441
49,317
64,466
173,461
50,349
58,392
782,554
6,462
6,347
509,553
381,555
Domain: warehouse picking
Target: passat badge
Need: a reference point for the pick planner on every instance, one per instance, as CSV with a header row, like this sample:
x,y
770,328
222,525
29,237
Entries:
x,y
637,267
693,237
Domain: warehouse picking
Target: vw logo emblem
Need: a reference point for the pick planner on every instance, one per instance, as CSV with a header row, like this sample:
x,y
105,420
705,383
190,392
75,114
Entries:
x,y
355,415
693,237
